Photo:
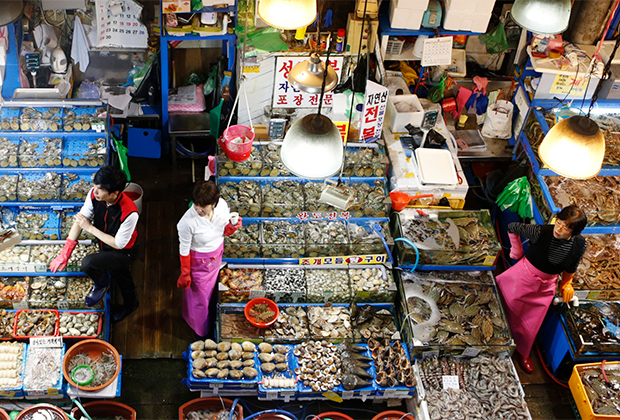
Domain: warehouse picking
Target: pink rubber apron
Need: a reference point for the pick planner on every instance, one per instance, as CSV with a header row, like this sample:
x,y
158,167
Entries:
x,y
527,292
205,267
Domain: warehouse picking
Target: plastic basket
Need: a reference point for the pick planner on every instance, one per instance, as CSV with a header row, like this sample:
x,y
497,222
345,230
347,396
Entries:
x,y
395,46
236,151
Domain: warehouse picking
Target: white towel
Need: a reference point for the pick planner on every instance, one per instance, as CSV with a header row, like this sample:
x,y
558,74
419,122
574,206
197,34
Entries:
x,y
79,48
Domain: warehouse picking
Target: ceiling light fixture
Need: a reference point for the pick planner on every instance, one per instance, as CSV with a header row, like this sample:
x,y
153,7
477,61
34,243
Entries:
x,y
542,16
11,11
287,14
311,75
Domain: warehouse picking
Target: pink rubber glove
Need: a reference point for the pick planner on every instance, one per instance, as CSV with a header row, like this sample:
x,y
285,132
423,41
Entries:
x,y
60,262
230,229
516,247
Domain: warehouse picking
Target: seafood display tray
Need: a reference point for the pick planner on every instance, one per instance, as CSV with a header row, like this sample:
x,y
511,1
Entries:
x,y
35,258
598,275
38,221
221,384
32,185
26,311
414,285
18,392
300,293
301,197
285,394
600,220
54,392
73,150
246,332
591,327
478,244
58,119
361,160
581,396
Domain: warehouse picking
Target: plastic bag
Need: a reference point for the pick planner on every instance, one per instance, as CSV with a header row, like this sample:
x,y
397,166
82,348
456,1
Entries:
x,y
495,39
437,92
266,39
517,196
498,123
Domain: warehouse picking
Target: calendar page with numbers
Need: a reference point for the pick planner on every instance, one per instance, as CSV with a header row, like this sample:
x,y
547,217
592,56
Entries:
x,y
119,25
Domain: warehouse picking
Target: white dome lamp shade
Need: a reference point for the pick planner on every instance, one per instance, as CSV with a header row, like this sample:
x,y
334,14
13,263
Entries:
x,y
308,75
574,148
542,16
313,147
287,14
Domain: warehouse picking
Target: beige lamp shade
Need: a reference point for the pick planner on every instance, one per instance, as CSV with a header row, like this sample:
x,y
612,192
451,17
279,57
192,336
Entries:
x,y
574,148
542,16
308,75
313,147
287,14
10,11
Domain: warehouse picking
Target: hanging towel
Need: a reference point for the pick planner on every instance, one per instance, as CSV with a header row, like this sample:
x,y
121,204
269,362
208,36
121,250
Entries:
x,y
79,48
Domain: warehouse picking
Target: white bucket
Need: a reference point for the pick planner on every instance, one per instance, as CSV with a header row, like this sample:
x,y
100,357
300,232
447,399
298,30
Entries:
x,y
135,192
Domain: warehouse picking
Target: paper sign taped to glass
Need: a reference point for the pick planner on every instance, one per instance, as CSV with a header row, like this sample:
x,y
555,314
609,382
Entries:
x,y
119,25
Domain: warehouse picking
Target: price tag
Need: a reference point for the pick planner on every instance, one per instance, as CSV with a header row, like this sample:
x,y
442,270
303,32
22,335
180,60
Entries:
x,y
503,355
272,395
450,382
470,352
330,395
63,304
251,69
297,296
257,293
99,127
46,342
582,294
20,304
347,394
216,386
432,353
52,391
489,260
277,296
363,294
593,295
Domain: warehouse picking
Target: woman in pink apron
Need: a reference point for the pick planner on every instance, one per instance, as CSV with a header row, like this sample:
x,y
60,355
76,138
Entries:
x,y
201,243
528,287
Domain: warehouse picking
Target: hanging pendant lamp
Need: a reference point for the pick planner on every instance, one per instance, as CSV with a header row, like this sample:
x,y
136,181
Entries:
x,y
308,75
574,148
542,16
287,14
11,10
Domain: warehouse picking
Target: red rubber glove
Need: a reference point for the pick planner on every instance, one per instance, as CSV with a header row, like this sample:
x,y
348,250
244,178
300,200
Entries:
x,y
566,287
60,262
516,247
230,229
185,279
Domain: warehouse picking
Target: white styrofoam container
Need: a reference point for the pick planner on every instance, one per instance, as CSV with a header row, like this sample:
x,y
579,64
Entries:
x,y
460,21
411,4
398,120
458,67
470,6
405,18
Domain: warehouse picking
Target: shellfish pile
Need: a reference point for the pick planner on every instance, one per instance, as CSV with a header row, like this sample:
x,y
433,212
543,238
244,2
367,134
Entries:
x,y
282,199
43,152
369,199
41,119
391,364
245,243
11,359
249,167
599,267
7,320
329,322
82,121
239,283
242,197
593,324
283,239
46,292
13,289
371,322
36,323
318,365
10,122
234,325
291,324
370,284
488,379
79,324
327,286
224,360
285,285
215,414
364,239
18,254
31,225
77,290
93,155
8,187
74,188
354,363
273,358
8,153
363,162
43,368
39,188
272,163
332,233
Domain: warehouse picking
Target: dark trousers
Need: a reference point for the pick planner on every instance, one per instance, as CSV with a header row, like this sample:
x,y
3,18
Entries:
x,y
106,266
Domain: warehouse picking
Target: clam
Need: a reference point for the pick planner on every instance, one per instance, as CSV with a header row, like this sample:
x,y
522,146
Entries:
x,y
236,347
222,356
199,374
281,367
211,362
210,344
236,364
249,363
212,373
267,367
199,363
247,355
248,346
235,374
265,357
265,347
223,364
197,345
234,354
249,372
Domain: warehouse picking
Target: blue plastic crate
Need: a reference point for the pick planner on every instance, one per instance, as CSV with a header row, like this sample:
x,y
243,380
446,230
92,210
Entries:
x,y
40,119
9,119
283,238
272,163
39,186
18,391
9,151
250,167
84,118
400,391
84,151
222,384
76,185
38,223
40,150
230,191
279,393
8,186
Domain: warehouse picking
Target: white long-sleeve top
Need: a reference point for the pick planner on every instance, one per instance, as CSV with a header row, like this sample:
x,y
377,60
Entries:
x,y
201,234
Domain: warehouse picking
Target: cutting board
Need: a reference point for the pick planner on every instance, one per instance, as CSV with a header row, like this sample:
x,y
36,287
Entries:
x,y
436,166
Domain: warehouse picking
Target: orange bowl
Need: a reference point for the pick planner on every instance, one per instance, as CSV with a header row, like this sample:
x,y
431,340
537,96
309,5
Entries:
x,y
93,348
270,303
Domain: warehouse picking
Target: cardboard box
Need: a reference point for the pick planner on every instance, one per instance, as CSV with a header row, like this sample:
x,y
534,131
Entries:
x,y
398,120
462,21
470,6
405,18
410,4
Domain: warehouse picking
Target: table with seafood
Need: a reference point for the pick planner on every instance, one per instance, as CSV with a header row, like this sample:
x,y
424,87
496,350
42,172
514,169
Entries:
x,y
593,328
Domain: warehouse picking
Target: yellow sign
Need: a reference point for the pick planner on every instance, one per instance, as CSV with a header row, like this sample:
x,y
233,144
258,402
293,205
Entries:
x,y
563,84
343,127
345,260
332,396
251,69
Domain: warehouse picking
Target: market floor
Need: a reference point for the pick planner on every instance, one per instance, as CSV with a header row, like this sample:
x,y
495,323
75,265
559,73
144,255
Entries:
x,y
153,338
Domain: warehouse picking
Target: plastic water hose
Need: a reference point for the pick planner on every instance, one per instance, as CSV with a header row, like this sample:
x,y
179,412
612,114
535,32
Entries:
x,y
232,409
377,228
82,409
417,253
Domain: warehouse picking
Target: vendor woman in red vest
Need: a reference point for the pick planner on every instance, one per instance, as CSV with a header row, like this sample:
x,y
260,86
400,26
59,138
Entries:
x,y
114,219
201,244
529,286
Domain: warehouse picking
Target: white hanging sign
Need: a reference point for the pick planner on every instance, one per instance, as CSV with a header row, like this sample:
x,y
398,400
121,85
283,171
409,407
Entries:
x,y
375,104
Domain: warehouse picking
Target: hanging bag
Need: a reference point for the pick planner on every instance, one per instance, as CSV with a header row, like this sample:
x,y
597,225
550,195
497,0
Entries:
x,y
498,123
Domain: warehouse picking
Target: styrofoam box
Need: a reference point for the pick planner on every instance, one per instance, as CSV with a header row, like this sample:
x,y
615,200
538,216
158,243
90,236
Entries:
x,y
460,21
398,120
411,4
405,18
470,6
